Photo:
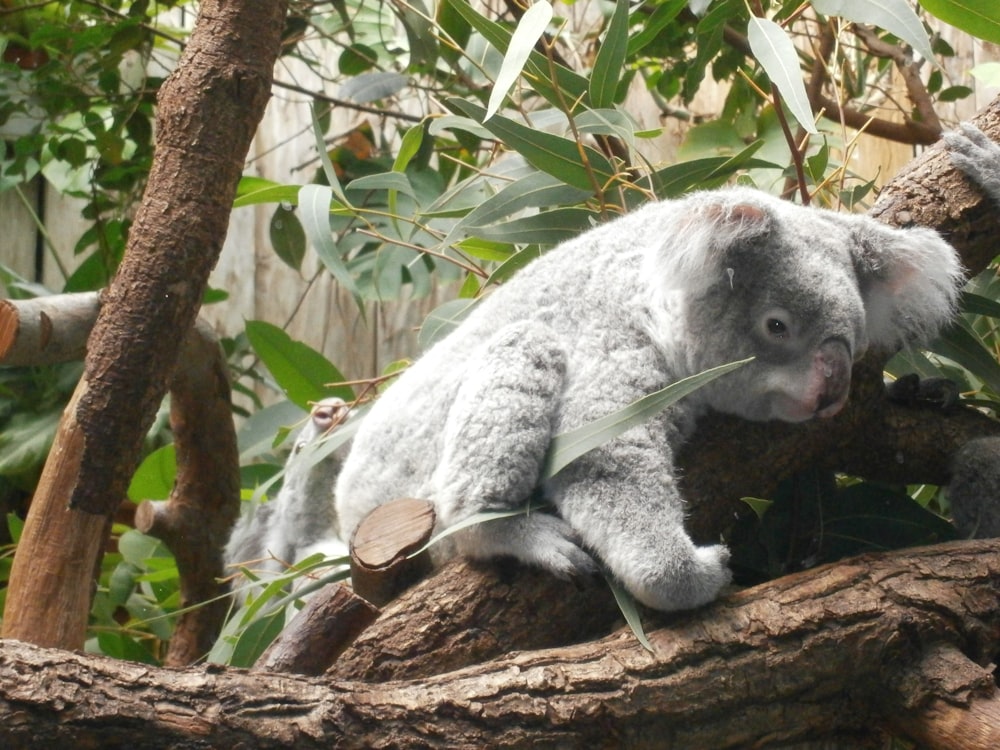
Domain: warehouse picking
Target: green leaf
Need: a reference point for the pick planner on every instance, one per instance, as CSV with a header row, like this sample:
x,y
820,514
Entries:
x,y
314,207
135,547
392,181
630,611
356,59
558,156
253,190
154,479
537,190
895,16
977,304
288,238
370,87
568,85
302,373
25,441
569,446
529,30
960,344
659,19
548,227
256,637
777,55
514,264
610,60
443,320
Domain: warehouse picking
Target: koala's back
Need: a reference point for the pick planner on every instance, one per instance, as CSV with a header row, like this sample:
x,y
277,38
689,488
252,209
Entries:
x,y
588,283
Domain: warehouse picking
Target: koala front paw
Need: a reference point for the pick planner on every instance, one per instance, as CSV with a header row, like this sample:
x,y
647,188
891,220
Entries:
x,y
685,581
539,539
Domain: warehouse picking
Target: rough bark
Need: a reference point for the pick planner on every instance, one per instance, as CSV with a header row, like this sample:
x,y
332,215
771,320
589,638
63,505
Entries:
x,y
209,110
894,638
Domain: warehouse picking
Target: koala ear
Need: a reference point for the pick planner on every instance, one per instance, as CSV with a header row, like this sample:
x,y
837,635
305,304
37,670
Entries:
x,y
909,279
703,227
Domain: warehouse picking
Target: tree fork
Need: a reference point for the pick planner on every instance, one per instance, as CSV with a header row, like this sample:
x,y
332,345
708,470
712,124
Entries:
x,y
209,109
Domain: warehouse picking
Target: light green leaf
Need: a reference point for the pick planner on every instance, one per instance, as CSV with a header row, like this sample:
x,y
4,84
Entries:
x,y
569,446
663,15
567,86
393,181
302,373
255,190
514,264
558,156
529,30
630,612
610,60
314,209
777,55
443,320
987,73
324,158
154,479
370,87
895,16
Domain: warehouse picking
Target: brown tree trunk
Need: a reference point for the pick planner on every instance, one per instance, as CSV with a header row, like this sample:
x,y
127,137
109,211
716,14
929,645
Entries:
x,y
899,639
209,110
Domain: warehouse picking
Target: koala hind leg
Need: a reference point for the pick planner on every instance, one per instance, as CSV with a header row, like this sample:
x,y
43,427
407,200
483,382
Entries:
x,y
495,442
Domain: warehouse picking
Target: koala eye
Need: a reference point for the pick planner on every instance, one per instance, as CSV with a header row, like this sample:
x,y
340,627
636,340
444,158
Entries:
x,y
777,325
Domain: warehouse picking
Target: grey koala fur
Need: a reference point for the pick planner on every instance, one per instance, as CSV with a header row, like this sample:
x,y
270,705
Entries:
x,y
623,310
301,520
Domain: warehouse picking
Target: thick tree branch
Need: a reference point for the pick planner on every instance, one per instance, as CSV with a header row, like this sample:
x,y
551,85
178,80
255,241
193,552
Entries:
x,y
811,655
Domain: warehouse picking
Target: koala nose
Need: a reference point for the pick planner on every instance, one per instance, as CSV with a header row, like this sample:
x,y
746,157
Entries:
x,y
833,361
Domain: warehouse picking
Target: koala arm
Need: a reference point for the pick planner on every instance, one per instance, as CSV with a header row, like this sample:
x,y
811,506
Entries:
x,y
623,498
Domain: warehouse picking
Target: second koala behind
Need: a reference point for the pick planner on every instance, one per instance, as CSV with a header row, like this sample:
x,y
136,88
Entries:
x,y
623,310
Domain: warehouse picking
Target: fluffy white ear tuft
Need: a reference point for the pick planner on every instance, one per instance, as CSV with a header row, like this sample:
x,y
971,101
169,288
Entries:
x,y
702,227
910,280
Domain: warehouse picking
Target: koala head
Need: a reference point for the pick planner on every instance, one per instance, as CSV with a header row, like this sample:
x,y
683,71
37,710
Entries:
x,y
805,291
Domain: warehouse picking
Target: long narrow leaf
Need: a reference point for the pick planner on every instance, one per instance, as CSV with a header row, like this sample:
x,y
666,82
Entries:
x,y
981,18
567,86
558,156
314,213
610,60
895,16
529,30
569,446
777,55
961,344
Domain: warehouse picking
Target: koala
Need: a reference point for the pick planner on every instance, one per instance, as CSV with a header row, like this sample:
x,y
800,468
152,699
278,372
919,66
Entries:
x,y
300,521
613,315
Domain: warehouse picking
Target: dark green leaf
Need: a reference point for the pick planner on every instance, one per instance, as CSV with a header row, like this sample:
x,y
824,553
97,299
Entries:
x,y
287,237
610,60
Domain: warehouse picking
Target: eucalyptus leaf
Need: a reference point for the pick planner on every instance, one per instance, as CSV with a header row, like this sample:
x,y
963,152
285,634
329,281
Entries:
x,y
303,374
529,30
314,209
443,320
776,53
370,87
895,16
630,611
610,60
154,479
550,153
961,344
548,227
287,236
569,446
